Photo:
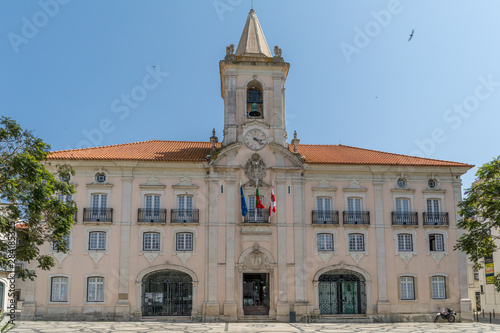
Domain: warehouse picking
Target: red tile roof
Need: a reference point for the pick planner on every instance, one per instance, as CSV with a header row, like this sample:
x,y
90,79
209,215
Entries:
x,y
340,154
153,150
190,151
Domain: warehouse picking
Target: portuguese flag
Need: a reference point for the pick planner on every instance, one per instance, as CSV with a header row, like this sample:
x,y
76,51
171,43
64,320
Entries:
x,y
258,203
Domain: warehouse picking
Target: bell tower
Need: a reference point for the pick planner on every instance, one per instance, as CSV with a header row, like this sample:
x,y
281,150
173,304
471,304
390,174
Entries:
x,y
253,87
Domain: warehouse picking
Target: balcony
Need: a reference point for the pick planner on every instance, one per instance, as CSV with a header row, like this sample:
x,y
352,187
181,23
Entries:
x,y
148,215
325,217
404,218
185,216
436,219
257,216
356,217
98,215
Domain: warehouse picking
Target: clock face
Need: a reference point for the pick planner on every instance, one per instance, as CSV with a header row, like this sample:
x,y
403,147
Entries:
x,y
255,139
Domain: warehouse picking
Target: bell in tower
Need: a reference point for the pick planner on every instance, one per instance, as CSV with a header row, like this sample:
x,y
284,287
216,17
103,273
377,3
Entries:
x,y
254,102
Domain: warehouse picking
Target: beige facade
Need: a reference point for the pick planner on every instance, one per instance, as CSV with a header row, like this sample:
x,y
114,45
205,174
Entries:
x,y
357,232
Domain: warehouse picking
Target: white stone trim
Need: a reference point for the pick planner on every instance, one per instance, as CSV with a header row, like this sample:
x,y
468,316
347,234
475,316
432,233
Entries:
x,y
406,255
437,255
49,288
325,255
150,228
184,255
356,255
85,287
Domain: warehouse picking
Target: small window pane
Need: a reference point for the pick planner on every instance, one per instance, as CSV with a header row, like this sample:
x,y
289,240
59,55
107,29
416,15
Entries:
x,y
95,289
59,289
151,241
184,241
407,287
405,243
325,242
438,287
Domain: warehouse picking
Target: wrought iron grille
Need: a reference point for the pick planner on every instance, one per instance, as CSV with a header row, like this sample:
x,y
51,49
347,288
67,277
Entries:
x,y
98,215
325,217
436,219
404,218
167,293
342,292
185,216
152,215
356,217
257,216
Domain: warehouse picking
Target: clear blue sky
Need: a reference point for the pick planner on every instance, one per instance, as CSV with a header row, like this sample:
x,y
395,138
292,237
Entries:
x,y
354,77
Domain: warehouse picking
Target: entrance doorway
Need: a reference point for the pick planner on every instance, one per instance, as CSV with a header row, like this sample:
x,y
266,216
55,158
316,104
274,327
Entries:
x,y
256,294
167,293
342,292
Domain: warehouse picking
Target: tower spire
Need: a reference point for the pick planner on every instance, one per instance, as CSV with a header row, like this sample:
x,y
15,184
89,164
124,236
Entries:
x,y
252,41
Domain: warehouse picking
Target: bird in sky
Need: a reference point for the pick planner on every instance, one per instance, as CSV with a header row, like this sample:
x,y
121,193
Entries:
x,y
411,35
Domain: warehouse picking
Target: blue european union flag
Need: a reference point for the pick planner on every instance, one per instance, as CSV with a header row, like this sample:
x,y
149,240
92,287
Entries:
x,y
244,208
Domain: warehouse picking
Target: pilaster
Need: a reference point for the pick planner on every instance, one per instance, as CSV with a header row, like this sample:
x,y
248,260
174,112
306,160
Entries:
x,y
383,305
465,303
211,306
122,308
299,240
230,309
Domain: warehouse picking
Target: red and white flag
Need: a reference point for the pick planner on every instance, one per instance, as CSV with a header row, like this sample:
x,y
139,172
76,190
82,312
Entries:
x,y
272,204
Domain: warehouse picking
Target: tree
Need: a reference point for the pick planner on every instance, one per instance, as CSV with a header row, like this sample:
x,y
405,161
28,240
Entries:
x,y
30,212
480,212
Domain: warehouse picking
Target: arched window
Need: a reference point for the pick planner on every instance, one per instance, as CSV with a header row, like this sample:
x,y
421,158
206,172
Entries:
x,y
255,100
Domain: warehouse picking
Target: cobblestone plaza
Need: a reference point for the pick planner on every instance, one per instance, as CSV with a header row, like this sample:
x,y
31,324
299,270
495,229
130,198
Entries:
x,y
170,327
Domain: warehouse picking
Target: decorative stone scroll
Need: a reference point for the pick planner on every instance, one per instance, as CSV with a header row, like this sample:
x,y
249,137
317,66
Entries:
x,y
256,261
255,168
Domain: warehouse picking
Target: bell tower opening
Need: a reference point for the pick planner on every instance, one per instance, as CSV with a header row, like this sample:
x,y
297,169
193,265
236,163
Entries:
x,y
255,103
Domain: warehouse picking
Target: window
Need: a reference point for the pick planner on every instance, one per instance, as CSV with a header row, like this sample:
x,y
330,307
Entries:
x,y
255,214
100,178
59,289
66,241
356,242
401,182
436,243
222,189
325,242
476,275
97,240
65,198
95,289
151,241
65,178
403,215
433,208
405,243
324,206
438,287
152,203
99,204
184,241
407,287
432,183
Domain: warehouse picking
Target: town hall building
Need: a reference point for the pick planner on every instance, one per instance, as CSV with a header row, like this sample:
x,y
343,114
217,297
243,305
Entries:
x,y
161,229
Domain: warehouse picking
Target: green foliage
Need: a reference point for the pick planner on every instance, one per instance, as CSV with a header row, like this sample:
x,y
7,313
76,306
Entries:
x,y
480,212
29,207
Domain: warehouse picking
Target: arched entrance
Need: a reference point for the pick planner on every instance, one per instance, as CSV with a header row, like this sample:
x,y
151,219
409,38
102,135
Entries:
x,y
342,291
167,293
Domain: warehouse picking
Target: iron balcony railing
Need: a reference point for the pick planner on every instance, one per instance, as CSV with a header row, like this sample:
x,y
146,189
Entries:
x,y
257,216
184,216
98,215
356,217
152,215
325,217
436,219
404,218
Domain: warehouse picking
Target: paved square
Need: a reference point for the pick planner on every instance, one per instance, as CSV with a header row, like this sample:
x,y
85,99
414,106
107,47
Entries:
x,y
166,327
